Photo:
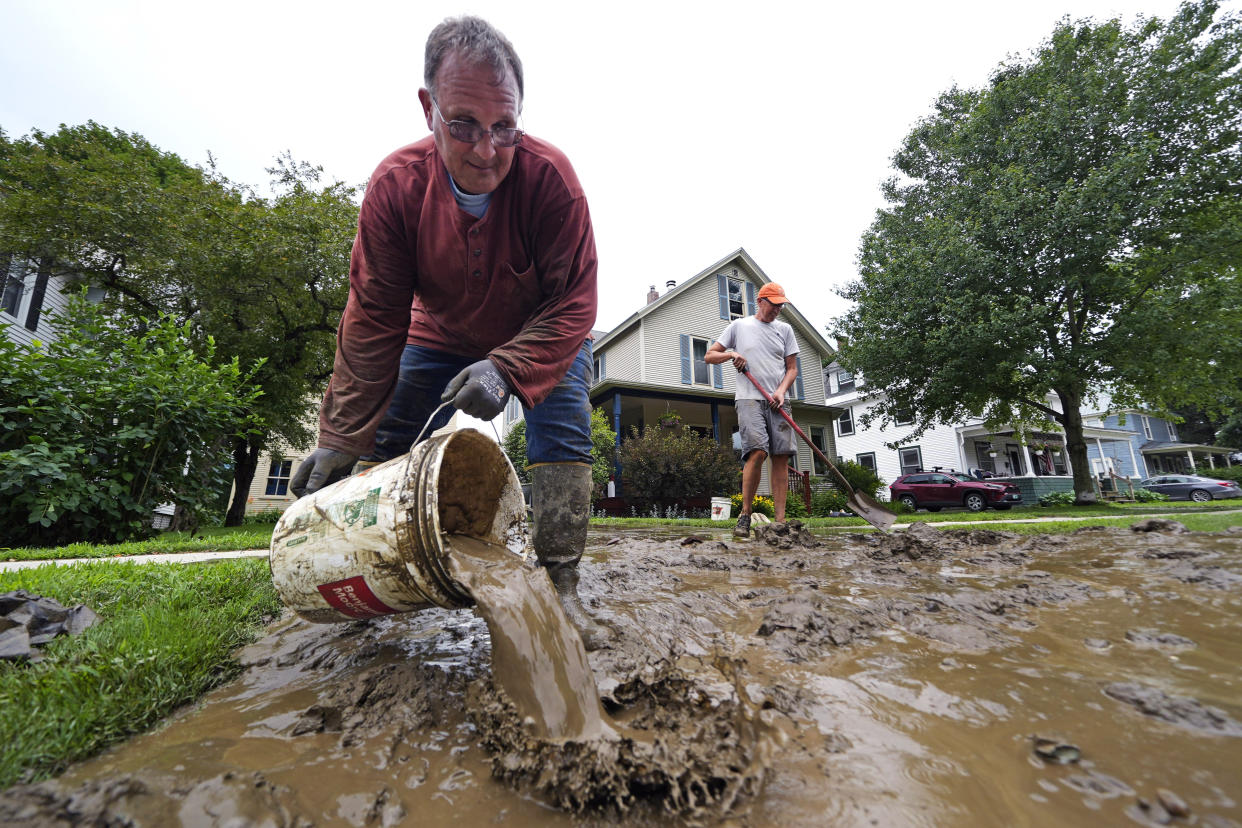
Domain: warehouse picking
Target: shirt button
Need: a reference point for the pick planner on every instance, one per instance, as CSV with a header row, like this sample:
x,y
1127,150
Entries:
x,y
474,231
477,274
478,251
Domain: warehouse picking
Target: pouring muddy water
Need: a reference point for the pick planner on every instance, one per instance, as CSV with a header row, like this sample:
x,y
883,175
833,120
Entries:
x,y
442,526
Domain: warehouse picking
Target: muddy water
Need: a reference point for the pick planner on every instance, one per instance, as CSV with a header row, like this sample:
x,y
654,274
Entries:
x,y
927,678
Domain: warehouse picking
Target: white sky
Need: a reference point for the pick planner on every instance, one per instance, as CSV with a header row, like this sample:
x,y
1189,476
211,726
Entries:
x,y
696,128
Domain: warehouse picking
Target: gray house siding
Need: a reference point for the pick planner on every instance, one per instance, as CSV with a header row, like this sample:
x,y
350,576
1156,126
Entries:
x,y
29,301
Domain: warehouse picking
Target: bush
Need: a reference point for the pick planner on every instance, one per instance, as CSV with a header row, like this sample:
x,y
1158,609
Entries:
x,y
794,507
1057,499
1148,496
102,426
824,503
662,466
762,505
1233,473
861,478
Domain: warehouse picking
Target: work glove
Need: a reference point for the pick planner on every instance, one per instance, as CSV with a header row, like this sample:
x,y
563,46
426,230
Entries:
x,y
322,467
479,390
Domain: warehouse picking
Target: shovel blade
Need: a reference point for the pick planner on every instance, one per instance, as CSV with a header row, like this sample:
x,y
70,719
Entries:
x,y
870,510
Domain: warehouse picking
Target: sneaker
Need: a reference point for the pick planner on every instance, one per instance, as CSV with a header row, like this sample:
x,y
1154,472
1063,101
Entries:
x,y
742,530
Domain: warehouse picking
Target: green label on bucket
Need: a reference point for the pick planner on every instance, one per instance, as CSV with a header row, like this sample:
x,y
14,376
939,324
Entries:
x,y
351,512
296,541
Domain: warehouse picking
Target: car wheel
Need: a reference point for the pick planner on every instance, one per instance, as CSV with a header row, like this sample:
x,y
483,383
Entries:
x,y
909,502
933,508
1200,496
975,502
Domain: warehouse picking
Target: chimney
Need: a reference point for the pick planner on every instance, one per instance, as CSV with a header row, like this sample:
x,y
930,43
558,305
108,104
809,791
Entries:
x,y
670,284
652,295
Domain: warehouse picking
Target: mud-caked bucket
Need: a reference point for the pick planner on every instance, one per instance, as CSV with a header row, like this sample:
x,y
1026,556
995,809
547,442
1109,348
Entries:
x,y
375,543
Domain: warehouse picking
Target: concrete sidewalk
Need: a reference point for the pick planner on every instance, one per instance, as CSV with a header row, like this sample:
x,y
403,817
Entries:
x,y
167,557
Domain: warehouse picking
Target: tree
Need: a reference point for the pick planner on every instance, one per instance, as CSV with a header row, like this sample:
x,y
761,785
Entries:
x,y
1073,227
102,426
264,278
603,442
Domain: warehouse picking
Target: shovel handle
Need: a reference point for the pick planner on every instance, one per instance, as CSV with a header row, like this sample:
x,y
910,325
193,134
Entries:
x,y
805,439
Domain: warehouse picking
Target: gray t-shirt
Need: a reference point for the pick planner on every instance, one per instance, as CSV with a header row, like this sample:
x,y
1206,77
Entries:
x,y
765,346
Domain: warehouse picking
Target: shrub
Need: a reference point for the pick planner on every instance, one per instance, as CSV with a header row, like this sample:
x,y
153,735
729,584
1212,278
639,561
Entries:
x,y
1233,473
102,426
1148,496
663,465
794,507
1057,499
762,504
861,478
824,503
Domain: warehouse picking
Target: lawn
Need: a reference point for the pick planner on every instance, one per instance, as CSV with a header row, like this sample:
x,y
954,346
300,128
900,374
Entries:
x,y
216,539
167,634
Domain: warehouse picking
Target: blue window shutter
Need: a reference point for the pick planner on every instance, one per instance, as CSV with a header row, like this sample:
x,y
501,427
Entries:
x,y
717,376
722,285
750,298
686,373
798,382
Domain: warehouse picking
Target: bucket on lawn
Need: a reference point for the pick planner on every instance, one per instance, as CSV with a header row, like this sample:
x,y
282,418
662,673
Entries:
x,y
374,543
721,508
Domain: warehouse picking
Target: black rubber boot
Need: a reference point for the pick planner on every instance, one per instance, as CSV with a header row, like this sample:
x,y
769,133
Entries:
x,y
561,501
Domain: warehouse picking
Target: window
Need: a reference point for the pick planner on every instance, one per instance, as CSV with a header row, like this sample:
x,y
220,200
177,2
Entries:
x,y
817,440
845,423
911,459
1172,431
599,370
513,409
12,285
1146,427
737,303
278,477
702,371
867,461
845,381
904,416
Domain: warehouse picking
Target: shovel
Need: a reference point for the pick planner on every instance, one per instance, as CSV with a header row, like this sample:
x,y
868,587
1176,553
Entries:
x,y
865,506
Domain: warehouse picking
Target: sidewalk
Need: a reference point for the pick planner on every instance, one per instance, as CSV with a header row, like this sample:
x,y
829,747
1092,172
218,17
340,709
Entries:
x,y
200,557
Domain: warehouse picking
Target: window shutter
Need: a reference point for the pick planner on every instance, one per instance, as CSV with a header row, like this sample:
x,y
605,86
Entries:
x,y
798,382
750,298
722,285
717,376
36,297
686,373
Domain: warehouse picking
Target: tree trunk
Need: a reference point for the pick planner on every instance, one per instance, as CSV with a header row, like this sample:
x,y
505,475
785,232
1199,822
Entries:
x,y
245,461
1076,444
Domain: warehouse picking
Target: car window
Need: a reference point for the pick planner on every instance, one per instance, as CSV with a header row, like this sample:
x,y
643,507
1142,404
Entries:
x,y
917,478
940,478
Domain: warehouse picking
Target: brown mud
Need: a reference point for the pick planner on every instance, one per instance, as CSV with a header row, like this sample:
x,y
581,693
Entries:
x,y
923,678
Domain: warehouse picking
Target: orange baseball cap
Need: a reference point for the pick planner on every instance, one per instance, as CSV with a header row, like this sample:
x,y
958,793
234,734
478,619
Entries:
x,y
774,293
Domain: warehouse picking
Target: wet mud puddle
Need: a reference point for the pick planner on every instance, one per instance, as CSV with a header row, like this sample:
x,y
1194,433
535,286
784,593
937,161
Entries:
x,y
924,678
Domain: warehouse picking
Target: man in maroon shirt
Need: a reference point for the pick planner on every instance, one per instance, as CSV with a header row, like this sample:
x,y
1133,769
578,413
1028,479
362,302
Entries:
x,y
473,278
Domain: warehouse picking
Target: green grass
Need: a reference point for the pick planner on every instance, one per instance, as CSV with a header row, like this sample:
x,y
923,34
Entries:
x,y
217,539
167,635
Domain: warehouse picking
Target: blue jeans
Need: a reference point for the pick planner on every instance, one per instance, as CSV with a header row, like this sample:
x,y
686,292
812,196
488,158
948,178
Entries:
x,y
558,430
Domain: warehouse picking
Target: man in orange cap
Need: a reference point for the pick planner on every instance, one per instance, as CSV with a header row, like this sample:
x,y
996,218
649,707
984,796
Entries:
x,y
771,357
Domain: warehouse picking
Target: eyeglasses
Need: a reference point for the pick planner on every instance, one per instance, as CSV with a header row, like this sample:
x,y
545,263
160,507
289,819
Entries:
x,y
469,133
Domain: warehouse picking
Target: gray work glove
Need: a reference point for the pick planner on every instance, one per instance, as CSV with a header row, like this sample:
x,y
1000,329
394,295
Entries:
x,y
479,390
322,467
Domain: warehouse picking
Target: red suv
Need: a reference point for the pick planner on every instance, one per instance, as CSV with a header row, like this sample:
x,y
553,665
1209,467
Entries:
x,y
935,490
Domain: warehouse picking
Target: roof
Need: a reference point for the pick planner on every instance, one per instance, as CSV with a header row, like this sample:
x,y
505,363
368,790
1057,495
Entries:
x,y
791,314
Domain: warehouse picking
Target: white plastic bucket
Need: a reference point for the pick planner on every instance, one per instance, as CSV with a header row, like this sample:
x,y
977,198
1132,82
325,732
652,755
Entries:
x,y
372,544
721,508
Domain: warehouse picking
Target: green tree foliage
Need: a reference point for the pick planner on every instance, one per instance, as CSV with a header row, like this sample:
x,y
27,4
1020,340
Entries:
x,y
861,478
1073,227
103,426
663,466
603,447
265,278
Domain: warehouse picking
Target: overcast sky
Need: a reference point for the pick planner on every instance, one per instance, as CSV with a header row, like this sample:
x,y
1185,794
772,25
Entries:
x,y
696,128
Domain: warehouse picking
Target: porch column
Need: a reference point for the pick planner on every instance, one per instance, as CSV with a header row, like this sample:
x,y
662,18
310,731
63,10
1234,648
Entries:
x,y
1024,451
1191,455
1137,473
616,429
1069,467
1211,462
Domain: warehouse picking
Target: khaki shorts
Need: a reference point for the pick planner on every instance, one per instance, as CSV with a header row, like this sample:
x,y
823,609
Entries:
x,y
763,429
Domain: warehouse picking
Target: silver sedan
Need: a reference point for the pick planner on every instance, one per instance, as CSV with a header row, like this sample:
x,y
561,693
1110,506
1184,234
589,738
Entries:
x,y
1191,487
